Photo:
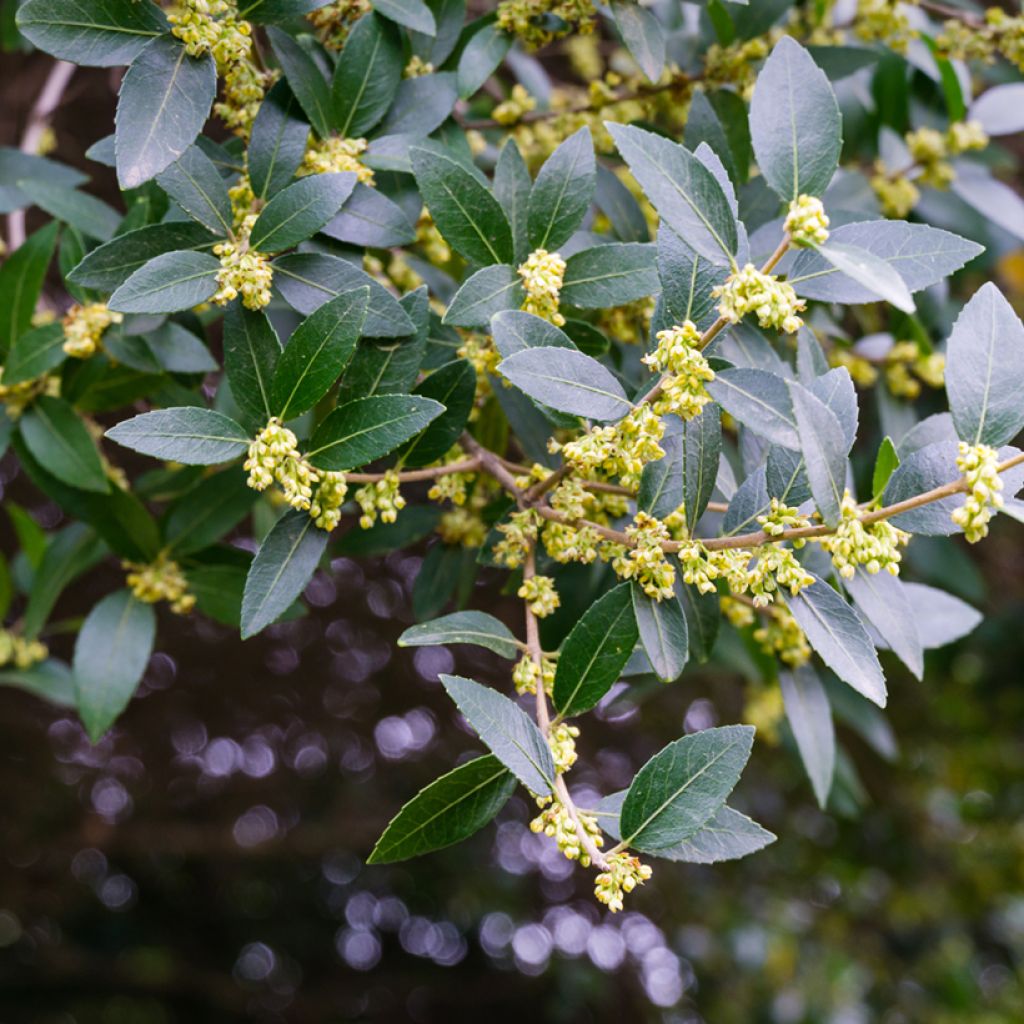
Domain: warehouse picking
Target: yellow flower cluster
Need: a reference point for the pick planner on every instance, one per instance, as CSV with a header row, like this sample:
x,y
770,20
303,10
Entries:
x,y
781,517
526,673
1002,33
979,464
382,497
556,822
511,110
274,457
624,874
906,356
540,594
22,653
417,67
646,561
333,155
750,291
807,223
875,546
542,276
16,398
884,21
334,21
517,535
897,194
781,635
562,741
678,356
736,64
761,573
84,327
213,26
618,450
160,580
243,271
539,22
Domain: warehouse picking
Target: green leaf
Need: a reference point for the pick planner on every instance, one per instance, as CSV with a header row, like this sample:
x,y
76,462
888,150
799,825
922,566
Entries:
x,y
206,512
985,370
299,211
795,124
480,58
369,428
568,381
421,106
663,633
413,14
810,718
836,632
447,811
72,551
368,218
90,215
515,331
367,76
195,184
918,253
277,142
824,449
33,353
562,193
1000,109
618,204
317,353
489,291
168,283
437,47
164,102
190,435
759,400
610,275
465,212
886,463
251,354
703,617
305,79
941,618
683,786
57,437
50,680
307,280
885,603
453,386
874,273
643,35
16,166
281,569
507,730
687,280
108,266
93,33
111,654
684,192
477,628
512,187
21,280
595,652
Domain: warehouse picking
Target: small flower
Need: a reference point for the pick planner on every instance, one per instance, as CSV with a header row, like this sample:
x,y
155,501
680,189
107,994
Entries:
x,y
645,561
806,222
897,194
624,874
335,154
542,276
678,356
562,741
84,327
781,635
381,498
328,498
160,580
875,546
540,594
556,822
19,651
511,110
773,301
527,672
244,272
979,464
781,517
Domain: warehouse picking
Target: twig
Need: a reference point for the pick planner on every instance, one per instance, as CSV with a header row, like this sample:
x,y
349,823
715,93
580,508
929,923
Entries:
x,y
47,102
409,476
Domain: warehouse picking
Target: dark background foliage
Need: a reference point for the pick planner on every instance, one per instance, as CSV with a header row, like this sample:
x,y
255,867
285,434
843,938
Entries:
x,y
205,861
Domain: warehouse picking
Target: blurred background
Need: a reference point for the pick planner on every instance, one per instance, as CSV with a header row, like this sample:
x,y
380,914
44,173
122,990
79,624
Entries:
x,y
205,862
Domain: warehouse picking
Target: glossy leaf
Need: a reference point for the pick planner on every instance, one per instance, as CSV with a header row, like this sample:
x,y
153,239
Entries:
x,y
195,184
299,211
168,283
562,193
810,718
277,142
305,80
663,633
366,77
190,435
59,440
251,354
610,275
477,628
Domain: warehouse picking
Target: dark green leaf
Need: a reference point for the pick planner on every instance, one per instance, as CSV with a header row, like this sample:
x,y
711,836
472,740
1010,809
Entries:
x,y
195,184
367,76
489,291
872,272
562,193
33,353
464,210
663,633
703,617
480,58
90,215
824,449
683,786
595,652
507,730
16,166
164,101
368,218
449,810
886,463
368,428
421,106
206,512
281,569
317,353
299,211
305,79
50,680
57,437
512,186
515,330
168,283
21,280
190,435
277,142
477,628
454,387
810,718
759,400
94,33
72,551
111,653
643,35
251,353
610,275
413,14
